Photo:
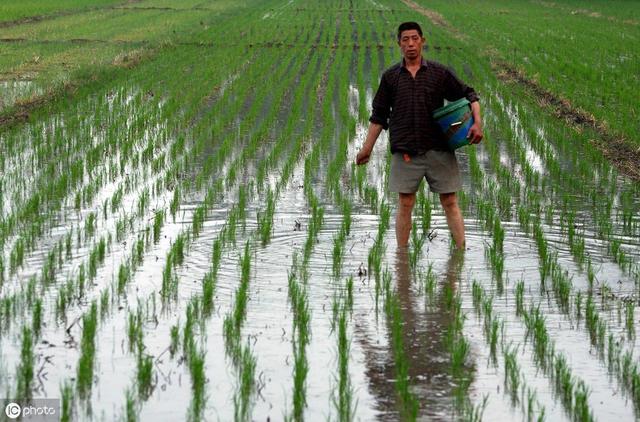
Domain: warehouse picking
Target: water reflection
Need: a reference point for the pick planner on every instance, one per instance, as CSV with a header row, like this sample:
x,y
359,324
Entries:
x,y
425,317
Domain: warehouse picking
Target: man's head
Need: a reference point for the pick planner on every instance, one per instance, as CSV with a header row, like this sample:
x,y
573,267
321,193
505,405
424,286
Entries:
x,y
410,40
407,26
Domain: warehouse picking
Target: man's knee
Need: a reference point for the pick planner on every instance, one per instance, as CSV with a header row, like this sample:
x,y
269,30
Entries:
x,y
449,200
407,201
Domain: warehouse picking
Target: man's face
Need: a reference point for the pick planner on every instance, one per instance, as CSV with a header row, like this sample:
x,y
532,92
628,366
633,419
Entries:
x,y
411,44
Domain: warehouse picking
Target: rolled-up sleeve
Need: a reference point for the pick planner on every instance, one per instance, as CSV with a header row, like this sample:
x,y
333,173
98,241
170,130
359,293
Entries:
x,y
456,89
381,105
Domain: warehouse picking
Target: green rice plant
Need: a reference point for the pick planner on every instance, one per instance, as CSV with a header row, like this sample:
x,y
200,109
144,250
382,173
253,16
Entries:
x,y
265,220
26,369
344,400
416,247
208,290
90,226
242,399
459,352
629,317
496,258
430,280
581,410
36,324
124,276
564,381
158,222
131,407
337,253
144,374
536,326
105,305
66,402
493,342
512,374
424,209
519,297
135,331
477,294
87,351
175,339
175,203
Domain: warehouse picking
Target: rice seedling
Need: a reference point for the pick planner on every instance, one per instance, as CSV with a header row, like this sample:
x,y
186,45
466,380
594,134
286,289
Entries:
x,y
26,370
242,399
344,396
144,375
520,297
174,336
84,378
36,324
208,290
66,402
512,374
131,407
629,317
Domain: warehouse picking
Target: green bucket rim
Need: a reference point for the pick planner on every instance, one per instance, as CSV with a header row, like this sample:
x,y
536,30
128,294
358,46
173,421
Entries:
x,y
442,111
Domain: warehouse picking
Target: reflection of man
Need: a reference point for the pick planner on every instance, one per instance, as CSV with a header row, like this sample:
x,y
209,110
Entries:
x,y
424,344
408,94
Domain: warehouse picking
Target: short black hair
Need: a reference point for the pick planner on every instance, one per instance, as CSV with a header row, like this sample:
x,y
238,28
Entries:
x,y
406,26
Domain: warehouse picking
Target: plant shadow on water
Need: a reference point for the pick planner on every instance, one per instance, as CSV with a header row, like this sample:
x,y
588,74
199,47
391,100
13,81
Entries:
x,y
426,319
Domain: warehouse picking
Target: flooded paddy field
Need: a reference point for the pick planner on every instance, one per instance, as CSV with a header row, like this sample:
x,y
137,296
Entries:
x,y
184,234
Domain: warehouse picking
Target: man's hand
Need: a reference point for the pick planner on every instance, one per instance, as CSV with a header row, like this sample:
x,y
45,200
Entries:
x,y
363,156
475,134
372,135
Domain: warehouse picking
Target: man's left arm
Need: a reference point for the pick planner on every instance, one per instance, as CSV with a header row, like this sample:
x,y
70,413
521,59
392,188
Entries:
x,y
475,131
455,89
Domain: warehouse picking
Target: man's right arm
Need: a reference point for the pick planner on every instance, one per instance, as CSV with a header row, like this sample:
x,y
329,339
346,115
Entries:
x,y
378,121
372,136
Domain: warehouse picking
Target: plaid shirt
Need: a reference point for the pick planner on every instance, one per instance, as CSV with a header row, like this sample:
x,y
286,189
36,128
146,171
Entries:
x,y
405,105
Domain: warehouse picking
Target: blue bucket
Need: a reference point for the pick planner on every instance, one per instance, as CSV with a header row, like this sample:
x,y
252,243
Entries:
x,y
455,120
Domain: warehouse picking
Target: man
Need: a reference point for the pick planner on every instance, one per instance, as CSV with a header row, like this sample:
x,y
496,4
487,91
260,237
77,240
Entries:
x,y
408,94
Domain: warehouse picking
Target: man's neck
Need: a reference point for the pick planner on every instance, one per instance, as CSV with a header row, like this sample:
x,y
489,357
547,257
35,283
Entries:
x,y
417,62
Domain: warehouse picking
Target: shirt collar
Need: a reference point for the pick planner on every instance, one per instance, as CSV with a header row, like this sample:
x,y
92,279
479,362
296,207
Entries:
x,y
423,62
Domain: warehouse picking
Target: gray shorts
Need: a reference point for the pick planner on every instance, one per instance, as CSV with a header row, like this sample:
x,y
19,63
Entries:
x,y
440,168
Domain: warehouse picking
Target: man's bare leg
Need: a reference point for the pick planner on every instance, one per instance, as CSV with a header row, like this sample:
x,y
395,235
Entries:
x,y
403,218
449,203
